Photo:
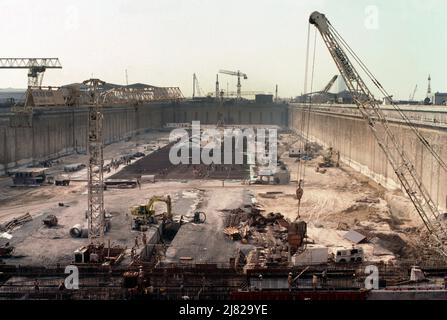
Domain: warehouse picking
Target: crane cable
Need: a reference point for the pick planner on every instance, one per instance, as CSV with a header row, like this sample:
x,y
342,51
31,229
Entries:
x,y
383,91
305,123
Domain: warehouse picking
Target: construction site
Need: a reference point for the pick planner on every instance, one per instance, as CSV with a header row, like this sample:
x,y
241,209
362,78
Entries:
x,y
355,188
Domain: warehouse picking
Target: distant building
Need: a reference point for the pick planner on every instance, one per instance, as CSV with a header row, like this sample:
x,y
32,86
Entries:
x,y
264,98
345,97
439,99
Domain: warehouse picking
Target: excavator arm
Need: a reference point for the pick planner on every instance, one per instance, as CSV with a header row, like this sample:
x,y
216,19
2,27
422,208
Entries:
x,y
167,200
148,210
375,118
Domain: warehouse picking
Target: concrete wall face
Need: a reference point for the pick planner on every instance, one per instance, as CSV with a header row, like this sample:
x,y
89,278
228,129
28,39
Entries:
x,y
351,136
57,132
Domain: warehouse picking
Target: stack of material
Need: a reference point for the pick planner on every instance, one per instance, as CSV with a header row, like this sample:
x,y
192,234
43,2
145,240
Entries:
x,y
233,233
10,225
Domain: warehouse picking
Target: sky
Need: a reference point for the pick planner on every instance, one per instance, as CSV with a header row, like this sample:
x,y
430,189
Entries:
x,y
163,42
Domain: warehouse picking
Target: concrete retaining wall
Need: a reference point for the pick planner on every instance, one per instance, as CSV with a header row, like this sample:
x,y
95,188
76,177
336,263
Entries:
x,y
60,131
348,133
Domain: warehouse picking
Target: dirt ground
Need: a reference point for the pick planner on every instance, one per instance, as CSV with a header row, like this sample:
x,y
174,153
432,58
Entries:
x,y
340,200
334,202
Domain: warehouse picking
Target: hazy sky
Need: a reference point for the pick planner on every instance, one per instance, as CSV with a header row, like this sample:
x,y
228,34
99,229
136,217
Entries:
x,y
163,42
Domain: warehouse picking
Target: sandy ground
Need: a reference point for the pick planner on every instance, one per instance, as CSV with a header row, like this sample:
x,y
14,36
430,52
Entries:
x,y
333,203
330,207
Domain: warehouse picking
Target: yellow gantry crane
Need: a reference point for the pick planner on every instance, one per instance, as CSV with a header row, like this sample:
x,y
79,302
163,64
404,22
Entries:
x,y
22,114
36,67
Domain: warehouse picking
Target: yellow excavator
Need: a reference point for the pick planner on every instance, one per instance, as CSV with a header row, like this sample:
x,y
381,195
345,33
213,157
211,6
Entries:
x,y
145,214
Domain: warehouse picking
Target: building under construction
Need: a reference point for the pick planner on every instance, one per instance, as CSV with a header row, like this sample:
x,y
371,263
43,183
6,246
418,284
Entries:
x,y
88,183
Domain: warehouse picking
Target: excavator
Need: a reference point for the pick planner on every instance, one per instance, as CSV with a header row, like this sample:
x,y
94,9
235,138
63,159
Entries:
x,y
379,126
145,214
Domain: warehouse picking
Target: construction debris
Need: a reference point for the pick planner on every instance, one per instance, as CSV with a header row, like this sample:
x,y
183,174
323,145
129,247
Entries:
x,y
16,222
368,200
354,237
273,236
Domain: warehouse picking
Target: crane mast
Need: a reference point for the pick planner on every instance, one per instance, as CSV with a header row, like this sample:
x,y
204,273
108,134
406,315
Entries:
x,y
95,207
372,113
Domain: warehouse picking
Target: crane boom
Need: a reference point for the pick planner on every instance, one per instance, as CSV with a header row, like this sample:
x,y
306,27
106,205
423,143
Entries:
x,y
36,67
330,84
380,128
414,93
238,74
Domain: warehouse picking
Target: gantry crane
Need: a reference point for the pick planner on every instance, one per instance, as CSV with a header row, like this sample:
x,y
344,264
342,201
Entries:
x,y
95,206
238,74
36,67
380,128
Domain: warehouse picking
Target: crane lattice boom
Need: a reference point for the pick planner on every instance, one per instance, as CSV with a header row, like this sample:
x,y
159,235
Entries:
x,y
95,206
36,67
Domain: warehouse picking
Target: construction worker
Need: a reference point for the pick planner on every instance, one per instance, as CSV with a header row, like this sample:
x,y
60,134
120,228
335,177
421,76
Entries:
x,y
290,281
324,278
314,281
139,183
299,196
132,253
36,285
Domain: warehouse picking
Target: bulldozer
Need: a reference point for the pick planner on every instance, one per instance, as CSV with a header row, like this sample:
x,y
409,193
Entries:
x,y
145,214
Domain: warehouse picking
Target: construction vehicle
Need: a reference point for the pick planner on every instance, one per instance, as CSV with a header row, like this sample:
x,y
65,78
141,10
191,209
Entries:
x,y
6,251
378,123
354,255
238,74
330,159
50,221
145,214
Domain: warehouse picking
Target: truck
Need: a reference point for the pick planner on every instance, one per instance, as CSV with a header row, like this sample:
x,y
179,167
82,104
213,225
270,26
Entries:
x,y
354,255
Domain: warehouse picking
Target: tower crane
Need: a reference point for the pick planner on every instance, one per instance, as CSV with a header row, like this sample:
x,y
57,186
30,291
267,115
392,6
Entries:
x,y
36,67
377,122
95,206
238,74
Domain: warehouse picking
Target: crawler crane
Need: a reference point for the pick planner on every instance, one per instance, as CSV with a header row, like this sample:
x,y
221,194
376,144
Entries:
x,y
379,125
